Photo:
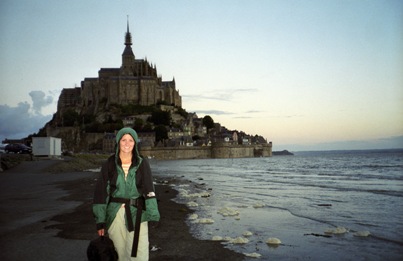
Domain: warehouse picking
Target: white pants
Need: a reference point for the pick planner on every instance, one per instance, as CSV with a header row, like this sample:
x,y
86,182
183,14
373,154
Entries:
x,y
123,239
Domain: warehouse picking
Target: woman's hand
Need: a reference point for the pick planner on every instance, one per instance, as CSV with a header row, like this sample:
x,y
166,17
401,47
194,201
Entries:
x,y
101,232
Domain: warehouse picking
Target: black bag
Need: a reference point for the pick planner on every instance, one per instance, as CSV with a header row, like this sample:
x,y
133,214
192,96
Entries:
x,y
102,249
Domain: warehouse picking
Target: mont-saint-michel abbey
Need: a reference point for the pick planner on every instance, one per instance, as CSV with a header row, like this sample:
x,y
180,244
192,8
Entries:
x,y
134,95
135,82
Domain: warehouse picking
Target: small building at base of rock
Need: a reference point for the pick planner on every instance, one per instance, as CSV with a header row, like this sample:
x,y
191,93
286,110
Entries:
x,y
46,146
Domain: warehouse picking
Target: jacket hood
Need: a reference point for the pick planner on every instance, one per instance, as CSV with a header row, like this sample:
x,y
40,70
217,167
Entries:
x,y
127,130
133,133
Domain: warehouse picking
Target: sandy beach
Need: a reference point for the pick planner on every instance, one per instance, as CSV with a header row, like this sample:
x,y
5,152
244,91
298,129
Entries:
x,y
46,215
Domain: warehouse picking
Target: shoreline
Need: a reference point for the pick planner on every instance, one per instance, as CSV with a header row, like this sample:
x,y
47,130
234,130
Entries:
x,y
62,225
171,236
47,214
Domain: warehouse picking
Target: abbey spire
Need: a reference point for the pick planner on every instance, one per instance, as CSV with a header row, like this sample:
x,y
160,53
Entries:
x,y
128,37
128,55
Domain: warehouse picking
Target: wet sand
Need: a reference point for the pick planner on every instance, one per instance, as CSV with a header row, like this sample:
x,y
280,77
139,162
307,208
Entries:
x,y
47,216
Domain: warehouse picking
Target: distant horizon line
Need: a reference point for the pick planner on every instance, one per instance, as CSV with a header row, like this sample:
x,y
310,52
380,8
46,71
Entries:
x,y
346,150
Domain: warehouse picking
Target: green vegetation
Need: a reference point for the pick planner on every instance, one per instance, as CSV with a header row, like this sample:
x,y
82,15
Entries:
x,y
109,126
138,124
161,133
208,122
134,109
110,119
182,112
70,118
159,117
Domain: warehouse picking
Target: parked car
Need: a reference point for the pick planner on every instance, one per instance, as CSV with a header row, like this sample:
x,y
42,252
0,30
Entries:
x,y
3,147
18,148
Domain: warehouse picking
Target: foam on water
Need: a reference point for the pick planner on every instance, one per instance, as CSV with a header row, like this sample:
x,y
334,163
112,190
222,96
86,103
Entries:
x,y
324,201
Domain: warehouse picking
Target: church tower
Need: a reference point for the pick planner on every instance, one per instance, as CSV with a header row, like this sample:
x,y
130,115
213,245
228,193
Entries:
x,y
128,58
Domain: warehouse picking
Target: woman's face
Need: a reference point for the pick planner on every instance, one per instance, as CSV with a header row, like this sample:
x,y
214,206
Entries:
x,y
126,143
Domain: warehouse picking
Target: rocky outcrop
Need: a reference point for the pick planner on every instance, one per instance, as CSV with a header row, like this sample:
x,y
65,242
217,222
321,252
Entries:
x,y
282,153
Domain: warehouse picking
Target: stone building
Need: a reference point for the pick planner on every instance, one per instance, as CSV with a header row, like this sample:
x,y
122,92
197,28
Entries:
x,y
135,82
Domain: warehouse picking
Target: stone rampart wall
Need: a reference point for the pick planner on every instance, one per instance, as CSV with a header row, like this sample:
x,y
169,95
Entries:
x,y
173,153
215,152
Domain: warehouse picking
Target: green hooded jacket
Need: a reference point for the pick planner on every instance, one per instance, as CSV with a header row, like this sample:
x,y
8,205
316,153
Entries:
x,y
112,182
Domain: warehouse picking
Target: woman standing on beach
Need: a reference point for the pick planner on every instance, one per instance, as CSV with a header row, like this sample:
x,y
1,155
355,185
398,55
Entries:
x,y
124,199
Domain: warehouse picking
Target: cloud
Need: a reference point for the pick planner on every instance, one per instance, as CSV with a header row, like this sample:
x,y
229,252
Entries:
x,y
250,115
395,142
243,117
286,116
254,111
256,114
204,97
20,121
218,112
39,100
220,95
213,112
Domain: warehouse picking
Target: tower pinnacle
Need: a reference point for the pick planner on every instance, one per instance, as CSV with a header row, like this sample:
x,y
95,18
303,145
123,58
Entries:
x,y
128,38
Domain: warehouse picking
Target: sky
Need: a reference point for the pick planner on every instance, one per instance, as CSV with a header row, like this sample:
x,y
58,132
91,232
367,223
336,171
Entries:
x,y
305,75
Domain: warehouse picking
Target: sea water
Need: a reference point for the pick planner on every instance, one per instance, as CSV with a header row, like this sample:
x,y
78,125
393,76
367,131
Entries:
x,y
300,200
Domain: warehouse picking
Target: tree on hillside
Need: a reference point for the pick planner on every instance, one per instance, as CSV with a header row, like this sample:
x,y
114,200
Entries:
x,y
70,118
138,124
161,118
208,122
147,127
182,112
161,133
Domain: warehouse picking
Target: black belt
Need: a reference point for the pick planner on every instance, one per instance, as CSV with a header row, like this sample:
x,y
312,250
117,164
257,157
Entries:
x,y
140,204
